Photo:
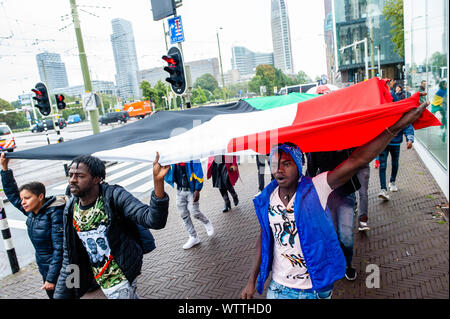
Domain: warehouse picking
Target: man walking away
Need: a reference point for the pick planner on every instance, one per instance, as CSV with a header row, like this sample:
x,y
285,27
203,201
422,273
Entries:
x,y
189,180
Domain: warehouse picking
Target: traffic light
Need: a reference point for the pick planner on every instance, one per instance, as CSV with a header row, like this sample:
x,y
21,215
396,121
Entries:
x,y
175,68
42,100
60,101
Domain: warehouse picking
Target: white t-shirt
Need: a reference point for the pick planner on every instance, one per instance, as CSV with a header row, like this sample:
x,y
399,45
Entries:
x,y
289,267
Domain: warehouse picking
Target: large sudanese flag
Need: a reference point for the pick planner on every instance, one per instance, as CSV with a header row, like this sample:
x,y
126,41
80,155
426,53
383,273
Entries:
x,y
345,118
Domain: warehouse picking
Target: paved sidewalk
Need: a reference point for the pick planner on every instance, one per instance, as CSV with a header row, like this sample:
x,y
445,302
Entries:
x,y
408,242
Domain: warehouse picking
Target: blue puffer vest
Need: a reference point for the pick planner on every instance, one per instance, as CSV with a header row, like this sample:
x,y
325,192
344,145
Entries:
x,y
194,173
321,249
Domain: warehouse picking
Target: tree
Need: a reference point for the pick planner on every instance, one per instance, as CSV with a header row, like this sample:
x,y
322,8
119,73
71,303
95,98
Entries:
x,y
436,62
206,82
198,96
393,13
14,120
302,78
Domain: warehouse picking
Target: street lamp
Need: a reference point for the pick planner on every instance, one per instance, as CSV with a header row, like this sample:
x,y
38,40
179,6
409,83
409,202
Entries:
x,y
366,58
220,61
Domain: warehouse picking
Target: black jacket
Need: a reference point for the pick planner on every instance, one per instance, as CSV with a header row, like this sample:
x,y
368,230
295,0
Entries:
x,y
45,228
124,213
319,162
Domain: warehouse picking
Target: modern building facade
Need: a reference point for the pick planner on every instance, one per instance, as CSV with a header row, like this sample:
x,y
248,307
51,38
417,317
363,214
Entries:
x,y
124,49
350,21
281,37
198,68
246,61
52,70
426,59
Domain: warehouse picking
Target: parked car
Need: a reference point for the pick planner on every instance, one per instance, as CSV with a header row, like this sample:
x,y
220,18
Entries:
x,y
113,117
39,127
74,118
7,142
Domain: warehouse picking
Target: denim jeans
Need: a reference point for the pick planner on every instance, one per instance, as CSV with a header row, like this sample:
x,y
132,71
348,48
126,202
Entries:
x,y
342,211
363,177
277,291
394,150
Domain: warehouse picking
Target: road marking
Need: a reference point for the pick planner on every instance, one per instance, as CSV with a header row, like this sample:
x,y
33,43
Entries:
x,y
113,168
126,171
143,188
136,178
18,224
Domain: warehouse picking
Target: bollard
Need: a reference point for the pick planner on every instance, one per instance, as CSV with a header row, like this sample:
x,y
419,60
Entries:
x,y
9,246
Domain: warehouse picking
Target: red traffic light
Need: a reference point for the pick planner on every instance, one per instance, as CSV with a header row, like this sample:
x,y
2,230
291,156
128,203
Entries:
x,y
37,91
169,59
60,97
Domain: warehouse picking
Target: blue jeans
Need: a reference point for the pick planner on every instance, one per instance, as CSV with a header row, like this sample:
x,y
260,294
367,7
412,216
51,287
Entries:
x,y
363,177
394,150
277,291
342,210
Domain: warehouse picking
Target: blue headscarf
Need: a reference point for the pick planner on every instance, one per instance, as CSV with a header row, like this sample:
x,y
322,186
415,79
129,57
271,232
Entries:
x,y
292,150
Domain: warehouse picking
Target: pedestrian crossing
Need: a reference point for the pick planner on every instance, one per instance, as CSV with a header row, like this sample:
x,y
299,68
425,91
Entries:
x,y
134,177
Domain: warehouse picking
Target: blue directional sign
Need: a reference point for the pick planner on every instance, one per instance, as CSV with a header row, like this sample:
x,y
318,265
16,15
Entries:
x,y
175,30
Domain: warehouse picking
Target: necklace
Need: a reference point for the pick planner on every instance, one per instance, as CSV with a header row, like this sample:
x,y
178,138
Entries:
x,y
287,196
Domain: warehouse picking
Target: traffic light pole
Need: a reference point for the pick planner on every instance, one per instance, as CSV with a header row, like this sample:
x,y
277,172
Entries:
x,y
187,75
93,114
54,109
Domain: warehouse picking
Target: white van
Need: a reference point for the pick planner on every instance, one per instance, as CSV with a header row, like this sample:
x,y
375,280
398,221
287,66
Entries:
x,y
7,142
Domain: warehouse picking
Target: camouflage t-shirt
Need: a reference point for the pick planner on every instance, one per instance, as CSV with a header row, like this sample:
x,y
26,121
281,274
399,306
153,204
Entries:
x,y
90,223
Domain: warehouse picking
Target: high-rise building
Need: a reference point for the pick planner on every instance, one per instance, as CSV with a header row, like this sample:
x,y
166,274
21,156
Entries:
x,y
106,87
122,40
281,37
246,61
52,70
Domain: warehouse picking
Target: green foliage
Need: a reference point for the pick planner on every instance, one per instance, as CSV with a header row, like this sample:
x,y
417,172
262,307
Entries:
x,y
393,13
155,94
303,78
14,120
268,76
437,61
206,82
198,96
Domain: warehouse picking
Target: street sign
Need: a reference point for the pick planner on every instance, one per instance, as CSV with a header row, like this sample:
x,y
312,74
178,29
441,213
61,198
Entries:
x,y
89,103
162,9
175,30
25,99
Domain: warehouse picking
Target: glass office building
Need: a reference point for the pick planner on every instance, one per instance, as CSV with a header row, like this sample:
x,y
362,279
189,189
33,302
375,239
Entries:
x,y
356,20
426,59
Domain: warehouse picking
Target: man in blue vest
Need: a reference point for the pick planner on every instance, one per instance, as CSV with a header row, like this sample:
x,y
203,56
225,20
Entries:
x,y
189,179
297,241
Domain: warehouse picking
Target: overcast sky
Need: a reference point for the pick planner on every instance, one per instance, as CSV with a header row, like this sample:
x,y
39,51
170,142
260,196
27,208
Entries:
x,y
30,27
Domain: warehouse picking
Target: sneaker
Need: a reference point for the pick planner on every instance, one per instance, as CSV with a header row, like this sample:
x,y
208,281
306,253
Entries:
x,y
377,164
393,187
383,195
192,241
350,273
209,229
363,226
